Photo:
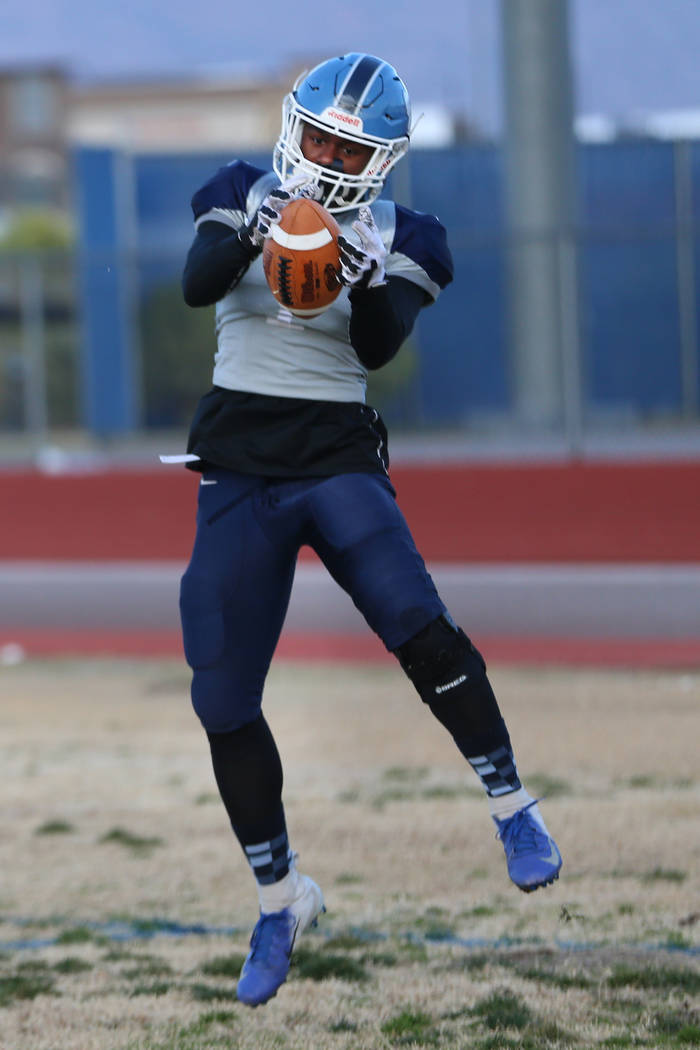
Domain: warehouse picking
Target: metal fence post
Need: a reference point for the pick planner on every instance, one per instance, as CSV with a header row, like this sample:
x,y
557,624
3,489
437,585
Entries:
x,y
34,386
570,343
540,196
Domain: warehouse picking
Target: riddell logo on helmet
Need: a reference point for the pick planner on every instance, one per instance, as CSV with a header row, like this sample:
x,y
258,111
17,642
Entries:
x,y
380,169
343,118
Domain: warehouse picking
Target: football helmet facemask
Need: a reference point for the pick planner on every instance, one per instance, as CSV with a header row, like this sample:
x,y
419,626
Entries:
x,y
357,97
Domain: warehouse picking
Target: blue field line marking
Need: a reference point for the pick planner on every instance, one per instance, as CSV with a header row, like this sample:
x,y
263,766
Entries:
x,y
116,931
148,929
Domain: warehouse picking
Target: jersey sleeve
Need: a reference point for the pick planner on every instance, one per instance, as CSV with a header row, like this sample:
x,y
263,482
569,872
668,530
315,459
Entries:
x,y
419,251
224,198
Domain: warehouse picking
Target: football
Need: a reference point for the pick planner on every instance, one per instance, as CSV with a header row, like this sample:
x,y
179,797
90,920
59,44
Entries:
x,y
300,258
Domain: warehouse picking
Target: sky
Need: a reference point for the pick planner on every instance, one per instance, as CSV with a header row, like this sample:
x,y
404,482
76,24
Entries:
x,y
628,56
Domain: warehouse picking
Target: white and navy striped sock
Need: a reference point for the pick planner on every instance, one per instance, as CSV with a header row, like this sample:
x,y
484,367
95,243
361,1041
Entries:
x,y
496,771
269,860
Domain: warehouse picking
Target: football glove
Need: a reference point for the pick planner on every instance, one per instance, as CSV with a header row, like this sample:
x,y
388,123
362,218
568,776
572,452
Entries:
x,y
268,214
363,267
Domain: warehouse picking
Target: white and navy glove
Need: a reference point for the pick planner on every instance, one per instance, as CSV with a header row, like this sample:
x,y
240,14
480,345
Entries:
x,y
268,214
363,266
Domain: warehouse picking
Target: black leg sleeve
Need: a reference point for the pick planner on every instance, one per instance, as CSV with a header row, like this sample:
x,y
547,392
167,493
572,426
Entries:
x,y
248,773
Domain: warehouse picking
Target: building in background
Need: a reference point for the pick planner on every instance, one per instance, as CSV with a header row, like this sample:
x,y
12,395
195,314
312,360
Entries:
x,y
34,137
44,114
181,115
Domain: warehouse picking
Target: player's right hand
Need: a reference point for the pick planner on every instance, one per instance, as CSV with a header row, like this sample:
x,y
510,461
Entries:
x,y
268,214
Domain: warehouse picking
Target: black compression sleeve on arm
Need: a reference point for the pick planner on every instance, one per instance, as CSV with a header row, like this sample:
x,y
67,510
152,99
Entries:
x,y
215,262
382,318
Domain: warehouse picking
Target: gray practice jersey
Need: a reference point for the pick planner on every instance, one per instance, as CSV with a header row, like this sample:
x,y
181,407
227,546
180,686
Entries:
x,y
261,347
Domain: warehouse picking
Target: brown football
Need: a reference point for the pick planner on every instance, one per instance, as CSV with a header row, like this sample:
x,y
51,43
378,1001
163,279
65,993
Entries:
x,y
300,258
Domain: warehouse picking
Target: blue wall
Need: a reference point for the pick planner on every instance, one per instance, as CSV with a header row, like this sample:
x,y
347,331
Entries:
x,y
629,292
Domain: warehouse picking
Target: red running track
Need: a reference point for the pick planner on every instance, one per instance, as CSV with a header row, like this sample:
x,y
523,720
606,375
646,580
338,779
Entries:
x,y
623,512
594,512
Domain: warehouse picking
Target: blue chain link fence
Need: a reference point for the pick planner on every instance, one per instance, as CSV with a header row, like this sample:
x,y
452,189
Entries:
x,y
99,340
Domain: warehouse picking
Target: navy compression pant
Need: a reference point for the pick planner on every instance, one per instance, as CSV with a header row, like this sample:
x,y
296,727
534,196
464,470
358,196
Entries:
x,y
235,592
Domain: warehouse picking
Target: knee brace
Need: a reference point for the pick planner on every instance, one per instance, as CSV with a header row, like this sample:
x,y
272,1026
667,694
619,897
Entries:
x,y
440,659
449,674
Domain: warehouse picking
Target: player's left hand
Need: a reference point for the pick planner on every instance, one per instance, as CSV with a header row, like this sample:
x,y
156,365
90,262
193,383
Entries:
x,y
363,267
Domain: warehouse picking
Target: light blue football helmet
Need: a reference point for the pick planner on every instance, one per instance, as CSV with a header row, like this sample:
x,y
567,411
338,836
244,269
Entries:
x,y
359,97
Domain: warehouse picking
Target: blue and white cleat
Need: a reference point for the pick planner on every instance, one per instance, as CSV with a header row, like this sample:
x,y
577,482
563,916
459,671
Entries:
x,y
532,855
267,963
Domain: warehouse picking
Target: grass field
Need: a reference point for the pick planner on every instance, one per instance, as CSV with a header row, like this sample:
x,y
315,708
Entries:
x,y
125,906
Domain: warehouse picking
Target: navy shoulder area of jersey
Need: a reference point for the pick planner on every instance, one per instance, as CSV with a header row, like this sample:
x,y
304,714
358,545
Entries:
x,y
228,188
423,239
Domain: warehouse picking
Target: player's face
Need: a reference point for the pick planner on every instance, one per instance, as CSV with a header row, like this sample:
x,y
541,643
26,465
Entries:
x,y
334,152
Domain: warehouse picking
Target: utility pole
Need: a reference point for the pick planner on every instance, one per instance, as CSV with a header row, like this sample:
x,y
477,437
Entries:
x,y
540,188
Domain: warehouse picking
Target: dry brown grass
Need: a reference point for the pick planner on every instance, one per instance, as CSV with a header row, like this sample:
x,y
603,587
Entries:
x,y
109,813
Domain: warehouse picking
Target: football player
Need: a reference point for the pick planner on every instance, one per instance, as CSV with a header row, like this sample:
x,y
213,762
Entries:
x,y
290,454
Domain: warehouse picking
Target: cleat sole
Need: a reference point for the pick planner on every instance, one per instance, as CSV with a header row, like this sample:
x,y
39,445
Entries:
x,y
261,1002
538,885
314,921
